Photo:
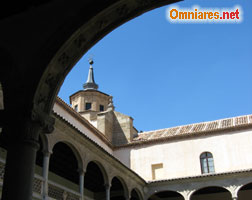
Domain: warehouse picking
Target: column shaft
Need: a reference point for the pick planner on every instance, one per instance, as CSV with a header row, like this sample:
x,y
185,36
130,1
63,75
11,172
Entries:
x,y
107,191
46,160
19,171
81,185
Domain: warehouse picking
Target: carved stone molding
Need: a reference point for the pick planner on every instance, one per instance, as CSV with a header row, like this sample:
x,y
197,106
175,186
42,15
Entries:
x,y
84,38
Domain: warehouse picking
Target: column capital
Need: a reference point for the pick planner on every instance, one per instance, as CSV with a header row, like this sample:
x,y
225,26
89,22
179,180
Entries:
x,y
128,197
45,121
81,171
47,152
107,186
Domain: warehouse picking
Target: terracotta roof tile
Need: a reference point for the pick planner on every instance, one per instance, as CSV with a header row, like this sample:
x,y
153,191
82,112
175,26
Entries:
x,y
171,131
198,127
241,120
185,129
210,126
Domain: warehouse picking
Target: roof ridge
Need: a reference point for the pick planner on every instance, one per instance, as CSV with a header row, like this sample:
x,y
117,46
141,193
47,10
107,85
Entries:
x,y
197,123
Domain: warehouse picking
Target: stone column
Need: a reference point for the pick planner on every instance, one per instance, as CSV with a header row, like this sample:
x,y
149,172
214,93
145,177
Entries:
x,y
234,198
81,183
127,197
107,187
21,134
46,160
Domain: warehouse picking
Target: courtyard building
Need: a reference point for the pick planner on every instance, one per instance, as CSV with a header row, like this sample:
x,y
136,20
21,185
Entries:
x,y
96,153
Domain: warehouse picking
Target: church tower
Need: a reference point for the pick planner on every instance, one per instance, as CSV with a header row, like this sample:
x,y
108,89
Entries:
x,y
90,101
97,107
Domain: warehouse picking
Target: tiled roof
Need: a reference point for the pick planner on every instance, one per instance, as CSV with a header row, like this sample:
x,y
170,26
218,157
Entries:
x,y
211,126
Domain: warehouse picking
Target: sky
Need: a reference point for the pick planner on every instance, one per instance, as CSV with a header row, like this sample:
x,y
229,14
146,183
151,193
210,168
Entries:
x,y
164,74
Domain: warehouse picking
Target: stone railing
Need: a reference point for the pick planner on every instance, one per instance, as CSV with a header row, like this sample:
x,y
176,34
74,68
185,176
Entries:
x,y
59,192
55,190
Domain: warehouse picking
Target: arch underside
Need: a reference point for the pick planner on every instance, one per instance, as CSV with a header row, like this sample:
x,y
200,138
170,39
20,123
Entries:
x,y
166,195
245,192
213,193
54,46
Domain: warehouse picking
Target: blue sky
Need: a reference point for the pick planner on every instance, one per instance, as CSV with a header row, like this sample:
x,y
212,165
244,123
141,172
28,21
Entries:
x,y
166,75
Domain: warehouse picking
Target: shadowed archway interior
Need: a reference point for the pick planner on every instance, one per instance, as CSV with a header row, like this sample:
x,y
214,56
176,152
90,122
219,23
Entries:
x,y
39,156
166,195
64,163
211,193
134,195
94,181
117,190
245,192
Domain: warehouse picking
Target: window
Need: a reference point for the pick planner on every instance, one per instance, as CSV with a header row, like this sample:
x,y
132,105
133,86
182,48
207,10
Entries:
x,y
207,163
101,107
88,106
157,171
76,108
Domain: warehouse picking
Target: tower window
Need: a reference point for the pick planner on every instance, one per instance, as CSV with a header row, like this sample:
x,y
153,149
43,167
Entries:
x,y
101,107
88,106
207,163
76,108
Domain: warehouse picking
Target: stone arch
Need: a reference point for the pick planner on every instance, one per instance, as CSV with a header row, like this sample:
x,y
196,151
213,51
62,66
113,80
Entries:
x,y
210,190
174,195
65,162
95,180
82,35
102,168
115,183
134,192
73,147
245,191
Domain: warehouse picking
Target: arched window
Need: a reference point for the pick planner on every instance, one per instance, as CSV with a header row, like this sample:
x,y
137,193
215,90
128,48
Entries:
x,y
207,163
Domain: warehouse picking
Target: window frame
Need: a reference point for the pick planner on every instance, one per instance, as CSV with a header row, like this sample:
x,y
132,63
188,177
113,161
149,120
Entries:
x,y
208,158
76,107
101,106
88,103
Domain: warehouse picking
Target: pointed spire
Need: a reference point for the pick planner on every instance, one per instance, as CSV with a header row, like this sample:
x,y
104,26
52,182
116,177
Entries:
x,y
90,84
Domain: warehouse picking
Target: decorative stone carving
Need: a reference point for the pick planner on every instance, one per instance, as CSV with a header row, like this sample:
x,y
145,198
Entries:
x,y
144,2
101,24
80,41
45,121
123,10
64,195
64,59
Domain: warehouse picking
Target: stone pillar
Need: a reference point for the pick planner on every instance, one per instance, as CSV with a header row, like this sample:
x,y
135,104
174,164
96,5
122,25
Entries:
x,y
234,198
81,183
20,161
127,197
46,160
21,134
107,187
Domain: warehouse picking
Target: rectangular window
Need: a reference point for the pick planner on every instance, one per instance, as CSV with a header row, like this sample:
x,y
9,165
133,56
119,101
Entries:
x,y
101,107
76,108
157,171
88,106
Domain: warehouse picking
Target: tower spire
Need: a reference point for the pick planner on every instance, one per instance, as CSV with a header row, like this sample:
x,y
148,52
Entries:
x,y
90,83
